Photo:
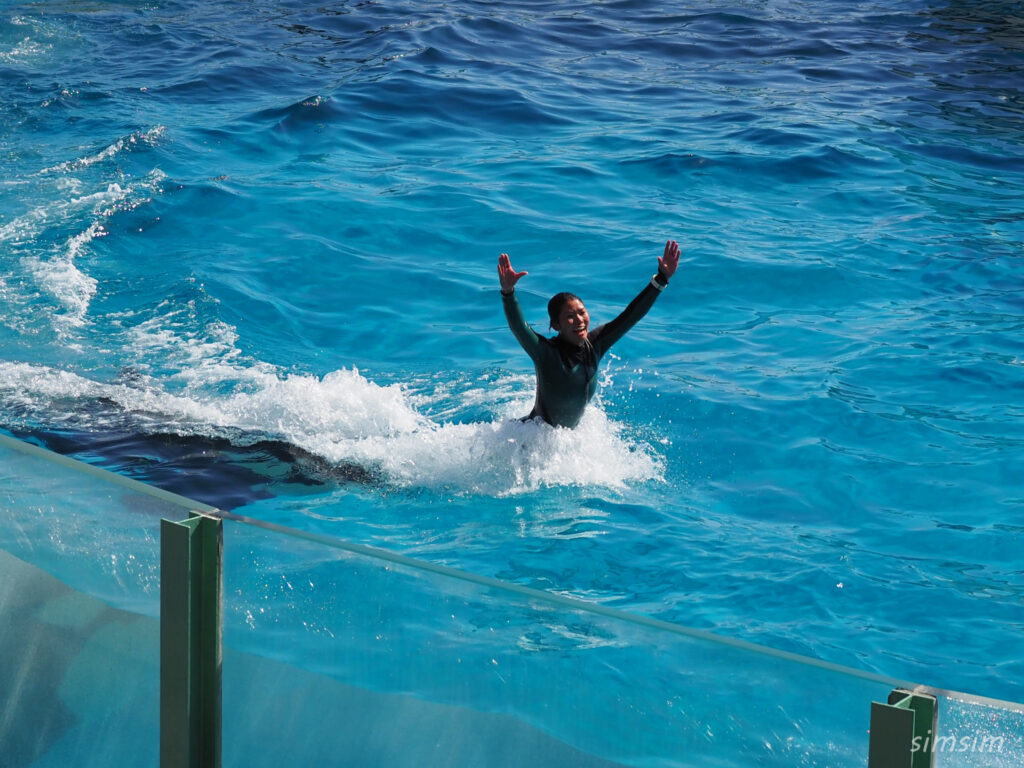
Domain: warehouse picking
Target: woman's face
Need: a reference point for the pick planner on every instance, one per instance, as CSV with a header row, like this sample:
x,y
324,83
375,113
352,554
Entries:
x,y
573,322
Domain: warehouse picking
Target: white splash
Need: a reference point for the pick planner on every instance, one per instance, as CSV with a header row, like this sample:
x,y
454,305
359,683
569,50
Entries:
x,y
25,49
345,417
63,280
506,457
126,142
58,273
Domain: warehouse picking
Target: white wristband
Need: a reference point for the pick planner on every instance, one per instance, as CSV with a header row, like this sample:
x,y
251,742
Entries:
x,y
658,285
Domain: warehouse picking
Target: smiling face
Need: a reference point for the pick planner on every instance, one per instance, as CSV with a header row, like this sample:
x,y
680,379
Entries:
x,y
573,322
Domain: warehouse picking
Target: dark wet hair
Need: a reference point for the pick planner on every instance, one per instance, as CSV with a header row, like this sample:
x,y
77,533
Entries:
x,y
558,301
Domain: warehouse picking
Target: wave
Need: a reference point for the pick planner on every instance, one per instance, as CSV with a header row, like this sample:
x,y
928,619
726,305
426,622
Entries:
x,y
341,425
123,144
67,207
56,271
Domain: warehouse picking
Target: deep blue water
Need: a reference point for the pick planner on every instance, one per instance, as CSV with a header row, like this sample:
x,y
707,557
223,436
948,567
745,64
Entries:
x,y
248,253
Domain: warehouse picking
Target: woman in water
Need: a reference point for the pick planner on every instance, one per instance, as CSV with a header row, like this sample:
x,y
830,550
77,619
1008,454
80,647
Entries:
x,y
567,363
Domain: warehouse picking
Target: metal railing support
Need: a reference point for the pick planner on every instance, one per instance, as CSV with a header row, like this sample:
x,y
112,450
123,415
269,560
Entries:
x,y
903,731
191,584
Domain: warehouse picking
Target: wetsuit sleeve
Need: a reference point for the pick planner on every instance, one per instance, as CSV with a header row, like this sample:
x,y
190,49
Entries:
x,y
525,335
606,335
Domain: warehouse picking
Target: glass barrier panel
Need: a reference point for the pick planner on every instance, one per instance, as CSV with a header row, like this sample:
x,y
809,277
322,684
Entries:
x,y
337,655
974,732
79,597
91,529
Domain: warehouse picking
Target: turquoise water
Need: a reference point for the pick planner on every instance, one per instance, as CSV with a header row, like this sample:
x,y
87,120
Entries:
x,y
248,254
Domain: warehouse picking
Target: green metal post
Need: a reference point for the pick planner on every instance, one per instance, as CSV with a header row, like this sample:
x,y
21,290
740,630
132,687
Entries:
x,y
903,731
191,579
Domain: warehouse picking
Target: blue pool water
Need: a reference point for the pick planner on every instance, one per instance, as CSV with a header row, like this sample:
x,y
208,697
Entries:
x,y
248,254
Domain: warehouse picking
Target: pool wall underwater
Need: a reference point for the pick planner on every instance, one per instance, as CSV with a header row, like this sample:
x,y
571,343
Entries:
x,y
339,654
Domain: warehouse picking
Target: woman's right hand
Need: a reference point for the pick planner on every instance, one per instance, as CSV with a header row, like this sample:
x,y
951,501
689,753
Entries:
x,y
507,276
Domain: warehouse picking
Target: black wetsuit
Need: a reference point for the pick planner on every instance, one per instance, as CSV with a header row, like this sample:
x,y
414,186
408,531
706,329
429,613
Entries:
x,y
566,373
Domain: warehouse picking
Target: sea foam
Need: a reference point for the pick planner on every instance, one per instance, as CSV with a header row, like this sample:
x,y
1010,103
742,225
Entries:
x,y
345,418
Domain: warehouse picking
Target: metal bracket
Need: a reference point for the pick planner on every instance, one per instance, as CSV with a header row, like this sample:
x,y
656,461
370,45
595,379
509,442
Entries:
x,y
903,730
191,587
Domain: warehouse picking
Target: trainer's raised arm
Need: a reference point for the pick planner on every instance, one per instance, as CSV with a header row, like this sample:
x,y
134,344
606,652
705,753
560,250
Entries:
x,y
668,263
508,277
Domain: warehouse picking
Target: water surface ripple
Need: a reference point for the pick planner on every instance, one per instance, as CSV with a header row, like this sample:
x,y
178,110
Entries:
x,y
265,233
